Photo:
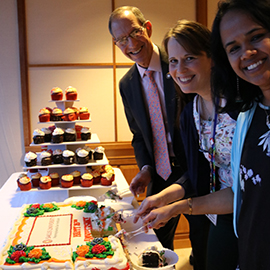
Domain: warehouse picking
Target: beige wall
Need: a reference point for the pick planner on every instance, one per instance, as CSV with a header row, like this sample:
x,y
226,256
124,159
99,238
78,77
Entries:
x,y
69,31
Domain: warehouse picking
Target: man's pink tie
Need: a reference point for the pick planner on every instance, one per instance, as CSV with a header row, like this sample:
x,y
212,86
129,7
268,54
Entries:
x,y
161,154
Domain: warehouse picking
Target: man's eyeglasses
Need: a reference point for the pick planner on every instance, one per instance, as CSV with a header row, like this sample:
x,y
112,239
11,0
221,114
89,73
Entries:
x,y
136,33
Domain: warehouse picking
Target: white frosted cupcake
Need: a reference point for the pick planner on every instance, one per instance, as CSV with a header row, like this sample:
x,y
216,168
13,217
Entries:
x,y
87,180
48,134
45,182
68,157
30,159
58,135
38,136
82,156
67,180
45,158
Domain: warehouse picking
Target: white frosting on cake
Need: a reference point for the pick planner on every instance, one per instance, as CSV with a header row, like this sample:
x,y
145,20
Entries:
x,y
60,233
38,132
87,176
29,156
45,179
24,180
58,131
99,149
46,130
44,154
82,153
85,130
70,130
67,177
57,152
68,153
56,90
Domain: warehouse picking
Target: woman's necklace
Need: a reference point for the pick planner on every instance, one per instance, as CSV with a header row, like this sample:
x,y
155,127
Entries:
x,y
266,108
208,115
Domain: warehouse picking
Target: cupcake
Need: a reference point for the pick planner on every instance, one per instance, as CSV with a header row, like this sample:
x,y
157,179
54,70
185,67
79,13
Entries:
x,y
35,179
107,178
58,135
57,157
45,182
68,157
70,135
56,93
38,136
69,115
20,176
71,93
67,180
76,111
78,129
96,176
24,183
76,177
30,159
55,179
98,153
85,134
107,168
87,180
45,158
48,134
56,114
44,115
82,156
84,113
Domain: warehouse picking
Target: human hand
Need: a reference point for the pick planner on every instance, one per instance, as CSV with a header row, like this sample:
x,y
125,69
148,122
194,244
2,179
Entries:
x,y
140,181
147,205
158,217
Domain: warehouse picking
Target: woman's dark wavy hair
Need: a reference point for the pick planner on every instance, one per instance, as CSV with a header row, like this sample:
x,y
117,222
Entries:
x,y
224,79
194,38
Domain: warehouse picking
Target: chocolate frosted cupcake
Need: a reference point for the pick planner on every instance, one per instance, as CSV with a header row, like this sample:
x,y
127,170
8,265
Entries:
x,y
55,179
38,136
57,156
87,180
85,134
76,177
35,179
82,156
48,134
70,135
58,135
56,114
68,157
30,159
45,182
45,158
67,180
98,153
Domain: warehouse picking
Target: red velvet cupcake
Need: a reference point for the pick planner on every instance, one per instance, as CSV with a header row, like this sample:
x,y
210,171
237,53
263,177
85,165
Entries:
x,y
87,180
96,176
67,180
35,179
69,115
84,113
24,183
76,177
20,176
56,93
55,179
45,182
107,178
44,115
71,93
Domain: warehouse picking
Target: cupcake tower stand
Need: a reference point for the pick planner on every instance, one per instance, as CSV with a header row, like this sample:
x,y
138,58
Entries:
x,y
65,169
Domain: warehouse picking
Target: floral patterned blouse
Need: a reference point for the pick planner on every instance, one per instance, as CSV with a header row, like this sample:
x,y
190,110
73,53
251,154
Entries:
x,y
223,141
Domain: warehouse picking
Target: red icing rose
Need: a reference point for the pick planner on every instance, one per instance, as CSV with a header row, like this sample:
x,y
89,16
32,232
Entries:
x,y
97,249
36,205
15,256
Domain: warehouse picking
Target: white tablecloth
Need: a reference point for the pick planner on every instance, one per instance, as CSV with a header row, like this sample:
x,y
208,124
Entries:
x,y
11,200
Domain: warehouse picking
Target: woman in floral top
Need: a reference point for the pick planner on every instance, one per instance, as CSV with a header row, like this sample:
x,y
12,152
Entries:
x,y
207,138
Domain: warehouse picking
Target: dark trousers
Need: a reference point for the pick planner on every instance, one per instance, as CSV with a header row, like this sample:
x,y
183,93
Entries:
x,y
198,235
222,251
165,234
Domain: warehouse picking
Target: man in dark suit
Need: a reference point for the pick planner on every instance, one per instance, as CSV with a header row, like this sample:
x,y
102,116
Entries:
x,y
131,33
